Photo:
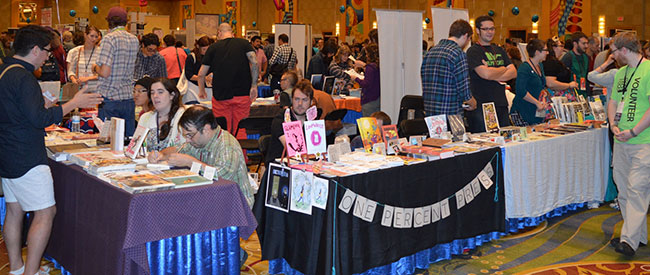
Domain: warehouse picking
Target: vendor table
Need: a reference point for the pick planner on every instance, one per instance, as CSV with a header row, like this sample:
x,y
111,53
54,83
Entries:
x,y
311,244
102,229
348,102
544,175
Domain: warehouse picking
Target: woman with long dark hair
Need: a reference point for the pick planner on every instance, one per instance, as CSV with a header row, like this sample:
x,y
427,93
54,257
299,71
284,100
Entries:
x,y
192,66
370,85
162,122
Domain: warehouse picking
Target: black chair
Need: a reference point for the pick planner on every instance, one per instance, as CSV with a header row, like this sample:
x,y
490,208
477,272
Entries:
x,y
413,104
413,127
254,125
223,123
264,143
337,114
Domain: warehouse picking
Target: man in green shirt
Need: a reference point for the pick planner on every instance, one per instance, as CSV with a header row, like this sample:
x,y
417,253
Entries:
x,y
578,62
629,119
208,144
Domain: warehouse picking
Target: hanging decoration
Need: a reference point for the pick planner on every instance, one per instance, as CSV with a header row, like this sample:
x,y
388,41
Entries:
x,y
95,9
288,14
254,23
427,20
515,10
535,18
73,13
144,3
342,9
279,4
491,13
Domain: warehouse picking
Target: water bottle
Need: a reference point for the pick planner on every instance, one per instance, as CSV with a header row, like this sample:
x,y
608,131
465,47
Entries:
x,y
76,122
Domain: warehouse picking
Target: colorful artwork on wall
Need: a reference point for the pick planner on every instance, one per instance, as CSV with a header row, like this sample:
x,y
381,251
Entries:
x,y
354,18
567,16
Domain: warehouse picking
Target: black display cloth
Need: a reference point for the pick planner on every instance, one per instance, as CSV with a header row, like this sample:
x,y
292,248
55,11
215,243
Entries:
x,y
306,241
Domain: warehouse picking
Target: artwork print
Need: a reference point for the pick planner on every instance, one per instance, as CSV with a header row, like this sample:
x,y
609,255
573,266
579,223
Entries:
x,y
277,187
301,182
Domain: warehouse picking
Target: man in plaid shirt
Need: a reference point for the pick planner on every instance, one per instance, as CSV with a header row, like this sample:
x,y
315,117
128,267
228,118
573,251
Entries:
x,y
445,74
115,69
149,61
282,55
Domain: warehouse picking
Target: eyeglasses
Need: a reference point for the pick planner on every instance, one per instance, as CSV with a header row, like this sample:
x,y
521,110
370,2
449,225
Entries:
x,y
139,90
488,29
189,136
47,50
151,50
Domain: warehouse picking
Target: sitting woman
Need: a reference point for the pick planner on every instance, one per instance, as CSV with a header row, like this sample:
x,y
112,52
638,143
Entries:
x,y
530,84
558,76
163,120
340,64
141,95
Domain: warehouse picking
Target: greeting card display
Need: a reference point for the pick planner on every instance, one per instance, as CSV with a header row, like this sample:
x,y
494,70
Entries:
x,y
369,130
315,136
294,138
490,118
437,125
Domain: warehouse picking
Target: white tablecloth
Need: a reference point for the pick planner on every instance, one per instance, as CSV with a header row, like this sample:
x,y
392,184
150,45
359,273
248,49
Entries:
x,y
546,174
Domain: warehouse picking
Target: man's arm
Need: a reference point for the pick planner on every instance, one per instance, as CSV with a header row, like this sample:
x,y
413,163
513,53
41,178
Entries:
x,y
252,60
637,129
103,70
490,73
511,72
612,105
203,71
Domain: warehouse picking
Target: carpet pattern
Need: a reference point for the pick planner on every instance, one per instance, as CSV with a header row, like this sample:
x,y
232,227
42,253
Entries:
x,y
577,243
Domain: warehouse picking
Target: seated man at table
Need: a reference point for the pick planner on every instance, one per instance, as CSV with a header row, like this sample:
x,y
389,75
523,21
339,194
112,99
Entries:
x,y
208,144
287,82
303,95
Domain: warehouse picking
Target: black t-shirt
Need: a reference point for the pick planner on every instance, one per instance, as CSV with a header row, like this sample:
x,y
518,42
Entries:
x,y
275,146
487,90
230,67
553,67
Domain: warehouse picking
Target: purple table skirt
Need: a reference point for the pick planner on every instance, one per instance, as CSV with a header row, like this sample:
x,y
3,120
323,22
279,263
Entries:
x,y
102,229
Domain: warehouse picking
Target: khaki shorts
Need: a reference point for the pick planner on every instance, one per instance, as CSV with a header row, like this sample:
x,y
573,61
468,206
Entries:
x,y
33,191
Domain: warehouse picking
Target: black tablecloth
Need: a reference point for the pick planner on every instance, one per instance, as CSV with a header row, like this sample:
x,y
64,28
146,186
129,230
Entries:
x,y
306,242
102,229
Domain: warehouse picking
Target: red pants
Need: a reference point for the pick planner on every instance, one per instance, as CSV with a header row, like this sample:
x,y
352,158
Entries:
x,y
233,110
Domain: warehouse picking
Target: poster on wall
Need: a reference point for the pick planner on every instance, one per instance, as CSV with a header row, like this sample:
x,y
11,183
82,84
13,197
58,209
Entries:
x,y
206,24
354,18
567,17
46,17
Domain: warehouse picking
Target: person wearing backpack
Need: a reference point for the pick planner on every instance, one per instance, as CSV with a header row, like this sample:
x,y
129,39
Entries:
x,y
284,58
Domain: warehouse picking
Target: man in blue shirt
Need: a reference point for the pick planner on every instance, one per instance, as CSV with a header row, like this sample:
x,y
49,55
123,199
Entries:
x,y
26,179
444,72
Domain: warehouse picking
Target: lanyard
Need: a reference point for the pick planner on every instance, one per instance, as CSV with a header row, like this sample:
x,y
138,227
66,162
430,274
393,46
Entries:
x,y
536,72
91,57
625,81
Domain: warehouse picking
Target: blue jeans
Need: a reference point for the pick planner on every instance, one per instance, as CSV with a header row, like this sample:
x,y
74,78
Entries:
x,y
124,109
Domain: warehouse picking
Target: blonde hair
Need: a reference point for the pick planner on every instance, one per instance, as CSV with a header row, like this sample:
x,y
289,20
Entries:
x,y
343,51
627,40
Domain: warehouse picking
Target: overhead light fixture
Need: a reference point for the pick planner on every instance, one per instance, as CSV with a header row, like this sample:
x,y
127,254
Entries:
x,y
273,28
338,27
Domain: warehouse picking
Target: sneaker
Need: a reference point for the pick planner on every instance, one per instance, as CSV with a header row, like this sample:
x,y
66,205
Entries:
x,y
615,204
624,249
615,241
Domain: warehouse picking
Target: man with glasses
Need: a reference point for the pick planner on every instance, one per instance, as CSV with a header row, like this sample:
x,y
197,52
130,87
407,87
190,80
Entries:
x,y
149,62
26,178
489,69
115,69
578,62
208,144
629,117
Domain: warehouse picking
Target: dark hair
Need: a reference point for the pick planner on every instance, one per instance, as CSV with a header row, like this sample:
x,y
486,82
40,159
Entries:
x,y
459,28
575,37
514,53
293,77
198,116
305,87
271,39
372,53
146,83
178,44
550,44
479,20
150,39
329,47
115,21
425,45
201,42
163,130
385,119
255,38
568,44
533,46
169,40
373,35
284,38
78,38
29,36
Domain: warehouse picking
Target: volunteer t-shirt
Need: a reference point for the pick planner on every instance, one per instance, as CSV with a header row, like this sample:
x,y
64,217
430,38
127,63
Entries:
x,y
634,98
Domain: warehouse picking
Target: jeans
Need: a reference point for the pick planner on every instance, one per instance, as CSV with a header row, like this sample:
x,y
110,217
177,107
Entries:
x,y
124,109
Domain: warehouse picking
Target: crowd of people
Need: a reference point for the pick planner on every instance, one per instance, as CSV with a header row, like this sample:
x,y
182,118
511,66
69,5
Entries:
x,y
119,72
458,83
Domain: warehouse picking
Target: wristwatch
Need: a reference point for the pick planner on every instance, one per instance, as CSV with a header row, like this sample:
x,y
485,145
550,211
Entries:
x,y
632,132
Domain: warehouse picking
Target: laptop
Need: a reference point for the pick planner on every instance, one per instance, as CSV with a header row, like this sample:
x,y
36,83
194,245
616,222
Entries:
x,y
328,84
317,81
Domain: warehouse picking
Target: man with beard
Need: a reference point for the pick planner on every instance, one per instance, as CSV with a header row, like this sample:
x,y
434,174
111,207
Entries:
x,y
303,95
578,62
489,69
320,62
262,62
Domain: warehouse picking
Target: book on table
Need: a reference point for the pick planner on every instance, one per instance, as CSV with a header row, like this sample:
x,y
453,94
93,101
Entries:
x,y
182,178
139,183
58,152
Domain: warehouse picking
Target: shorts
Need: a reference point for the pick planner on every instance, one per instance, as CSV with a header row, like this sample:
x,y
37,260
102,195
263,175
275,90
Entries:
x,y
33,191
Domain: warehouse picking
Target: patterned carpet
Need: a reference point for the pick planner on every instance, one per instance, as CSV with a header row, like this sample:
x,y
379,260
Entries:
x,y
576,243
